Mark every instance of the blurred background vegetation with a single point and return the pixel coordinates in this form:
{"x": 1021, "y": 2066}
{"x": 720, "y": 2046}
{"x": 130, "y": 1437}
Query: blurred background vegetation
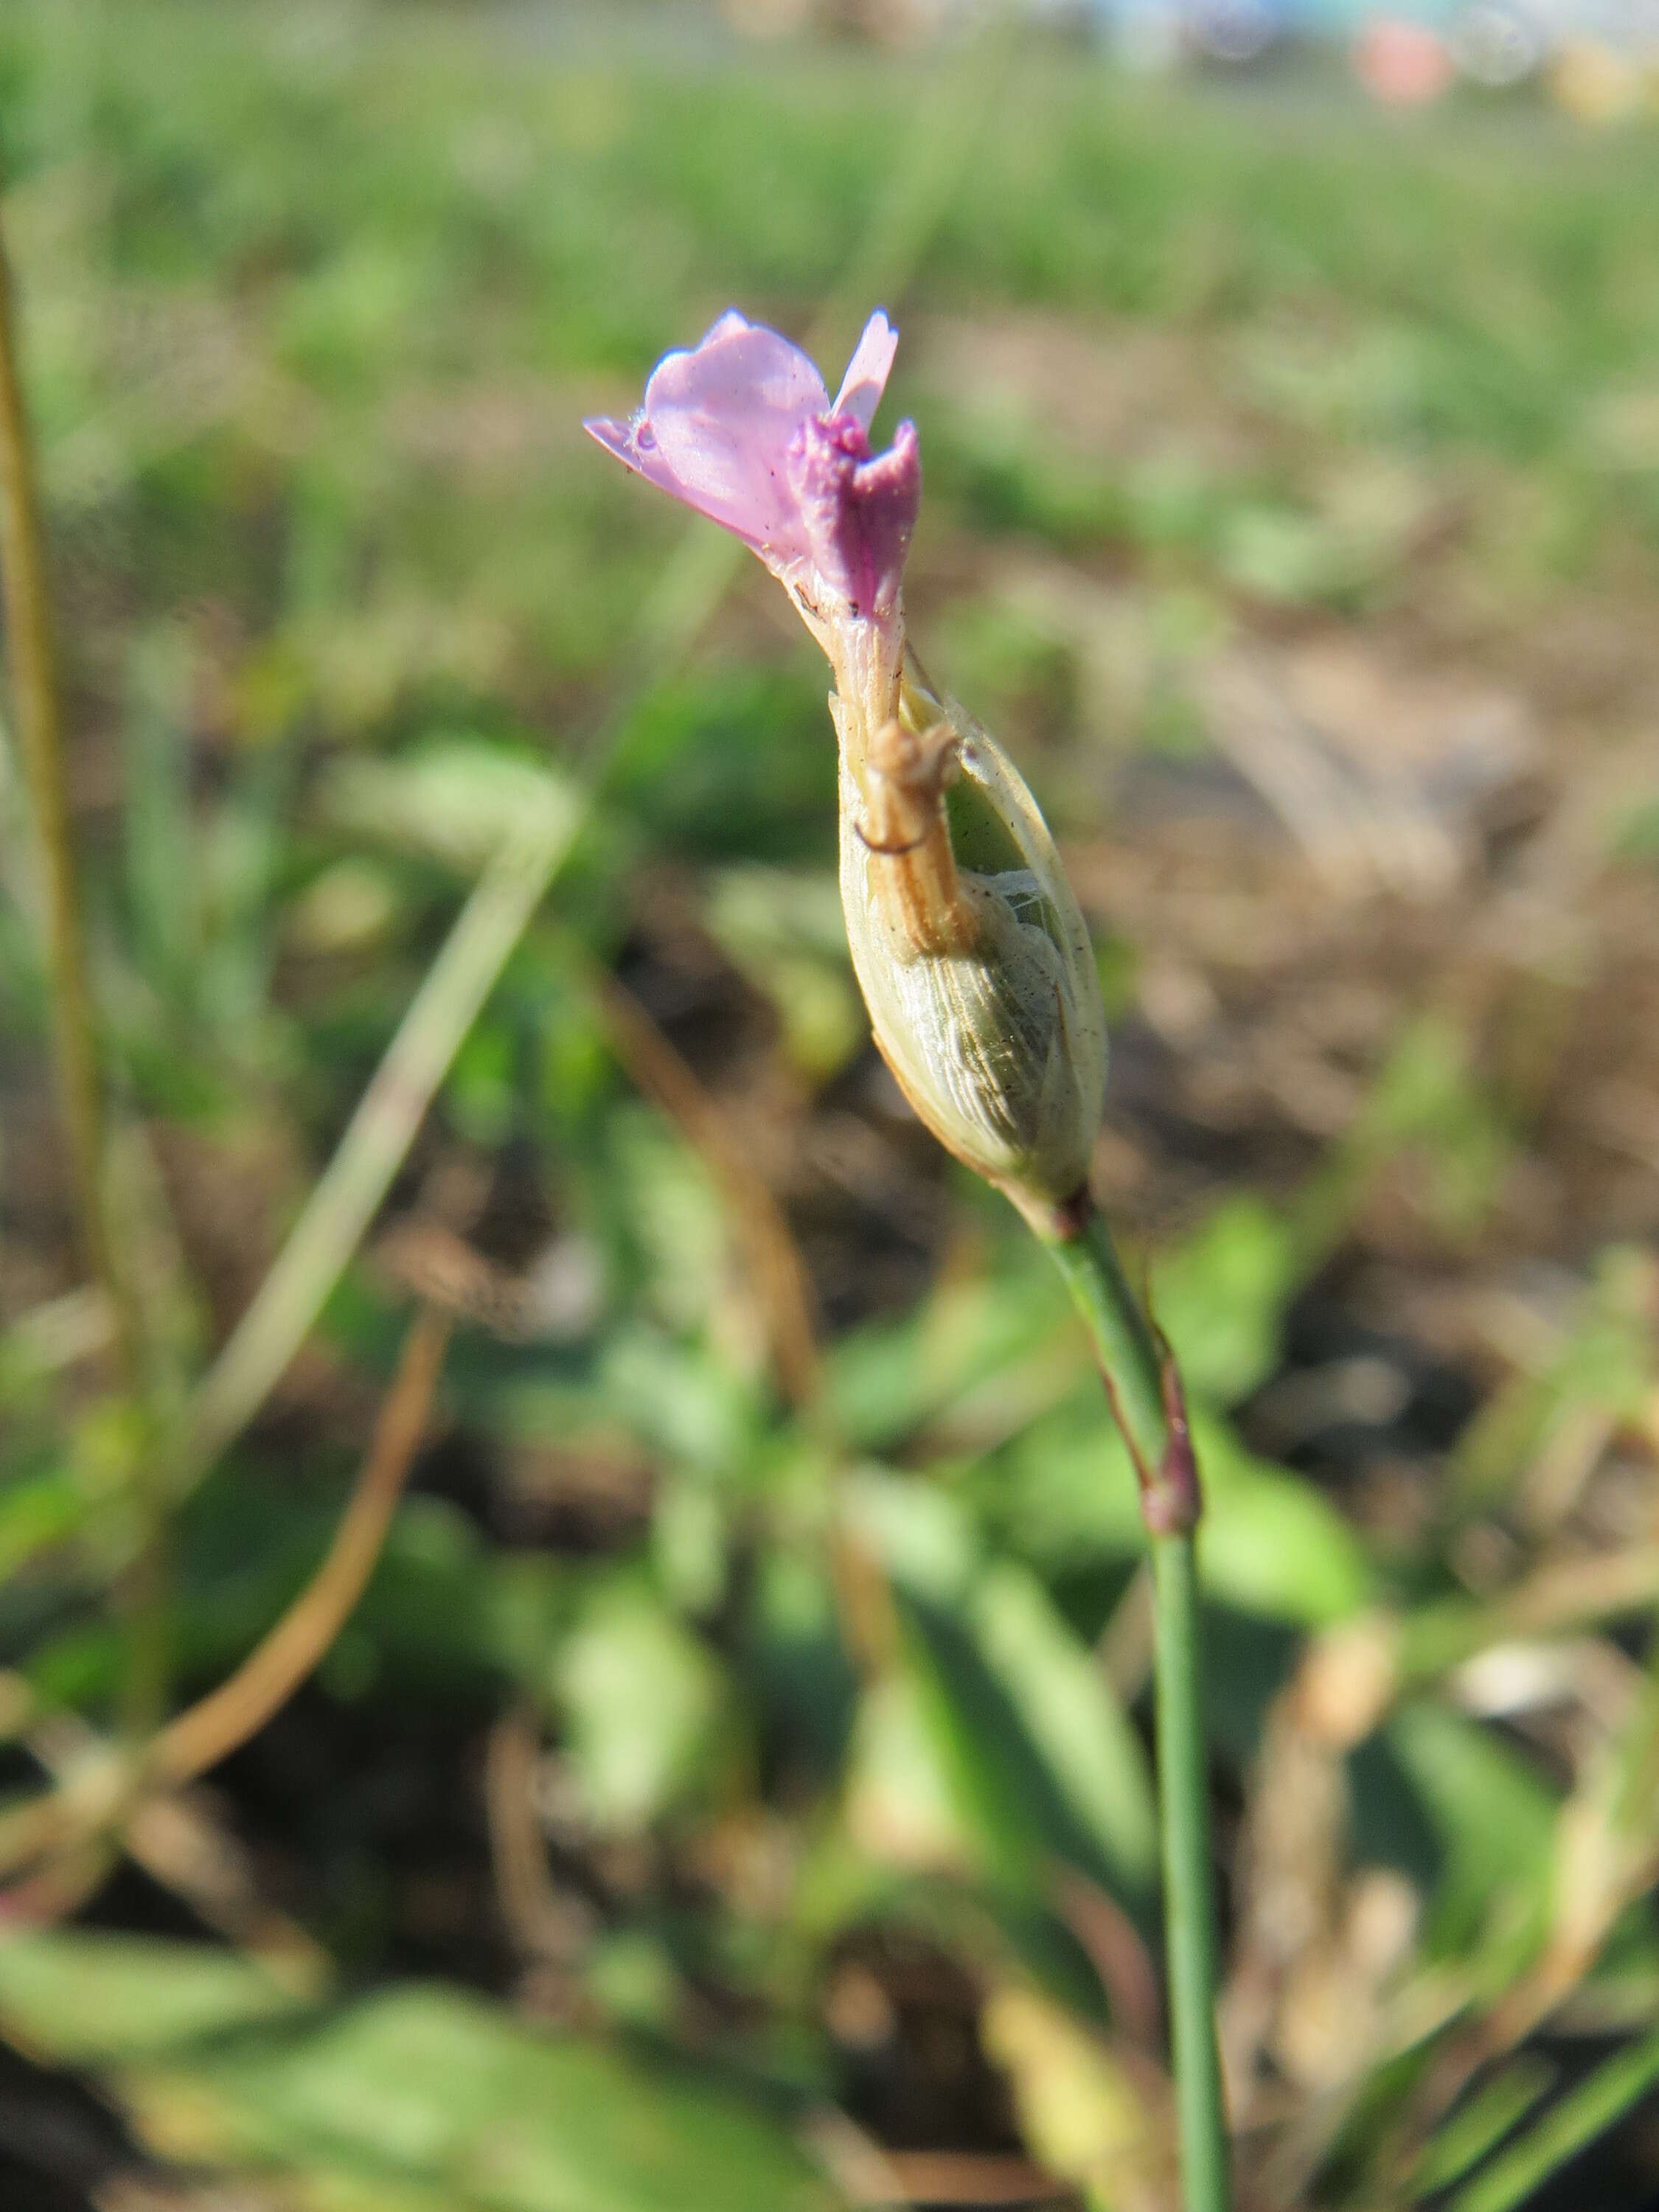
{"x": 733, "y": 1788}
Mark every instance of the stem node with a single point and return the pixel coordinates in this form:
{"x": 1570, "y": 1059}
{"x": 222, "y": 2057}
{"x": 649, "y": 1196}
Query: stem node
{"x": 1171, "y": 1502}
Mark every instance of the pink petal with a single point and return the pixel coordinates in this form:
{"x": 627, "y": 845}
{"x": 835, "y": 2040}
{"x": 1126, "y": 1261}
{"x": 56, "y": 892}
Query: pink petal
{"x": 868, "y": 370}
{"x": 858, "y": 509}
{"x": 740, "y": 428}
{"x": 716, "y": 429}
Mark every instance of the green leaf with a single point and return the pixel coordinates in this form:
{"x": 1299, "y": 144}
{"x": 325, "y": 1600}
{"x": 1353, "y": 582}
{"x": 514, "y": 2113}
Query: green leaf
{"x": 1477, "y": 2127}
{"x": 1060, "y": 1690}
{"x": 1569, "y": 2127}
{"x": 902, "y": 1801}
{"x": 37, "y": 1513}
{"x": 428, "y": 2085}
{"x": 417, "y": 2090}
{"x": 163, "y": 864}
{"x": 80, "y": 1997}
{"x": 1493, "y": 1820}
{"x": 675, "y": 1216}
{"x": 1428, "y": 1103}
{"x": 640, "y": 1696}
{"x": 1279, "y": 554}
{"x": 1042, "y": 1760}
{"x": 923, "y": 1536}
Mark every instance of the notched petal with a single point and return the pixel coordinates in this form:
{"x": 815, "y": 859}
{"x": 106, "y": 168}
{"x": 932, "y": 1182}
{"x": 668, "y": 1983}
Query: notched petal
{"x": 857, "y": 509}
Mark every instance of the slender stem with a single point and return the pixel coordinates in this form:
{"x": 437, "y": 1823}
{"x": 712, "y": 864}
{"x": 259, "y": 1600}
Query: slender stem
{"x": 1131, "y": 1365}
{"x": 1190, "y": 1913}
{"x": 37, "y": 714}
{"x": 1145, "y": 1394}
{"x": 41, "y": 740}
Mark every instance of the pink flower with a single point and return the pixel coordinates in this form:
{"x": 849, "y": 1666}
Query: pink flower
{"x": 982, "y": 988}
{"x": 741, "y": 428}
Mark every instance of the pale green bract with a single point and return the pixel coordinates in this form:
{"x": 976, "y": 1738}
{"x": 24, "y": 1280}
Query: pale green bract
{"x": 1000, "y": 1047}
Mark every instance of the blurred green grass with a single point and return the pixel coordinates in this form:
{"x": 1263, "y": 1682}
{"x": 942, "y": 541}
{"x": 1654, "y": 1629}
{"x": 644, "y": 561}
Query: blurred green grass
{"x": 315, "y": 300}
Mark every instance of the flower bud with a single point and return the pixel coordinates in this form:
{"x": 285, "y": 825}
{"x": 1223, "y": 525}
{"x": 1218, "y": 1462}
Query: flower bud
{"x": 968, "y": 947}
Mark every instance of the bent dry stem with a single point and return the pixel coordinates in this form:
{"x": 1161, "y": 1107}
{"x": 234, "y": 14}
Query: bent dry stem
{"x": 1145, "y": 1393}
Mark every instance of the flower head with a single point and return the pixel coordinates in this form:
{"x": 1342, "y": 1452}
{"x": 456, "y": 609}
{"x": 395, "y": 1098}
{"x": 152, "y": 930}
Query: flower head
{"x": 978, "y": 976}
{"x": 741, "y": 426}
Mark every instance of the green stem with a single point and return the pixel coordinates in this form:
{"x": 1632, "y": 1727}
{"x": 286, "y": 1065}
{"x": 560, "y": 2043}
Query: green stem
{"x": 1145, "y": 1393}
{"x": 1189, "y": 1914}
{"x": 1131, "y": 1365}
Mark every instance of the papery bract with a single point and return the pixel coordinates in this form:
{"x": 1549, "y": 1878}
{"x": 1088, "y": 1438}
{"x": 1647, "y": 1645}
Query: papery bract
{"x": 979, "y": 981}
